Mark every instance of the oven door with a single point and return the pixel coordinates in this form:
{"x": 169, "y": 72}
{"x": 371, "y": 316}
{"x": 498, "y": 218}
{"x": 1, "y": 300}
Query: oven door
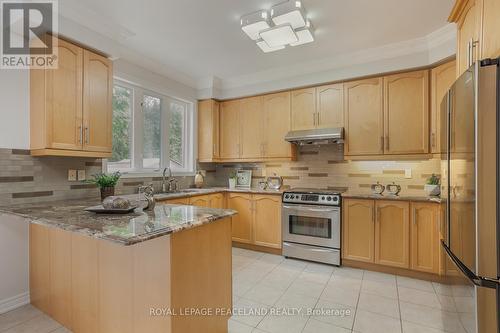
{"x": 312, "y": 225}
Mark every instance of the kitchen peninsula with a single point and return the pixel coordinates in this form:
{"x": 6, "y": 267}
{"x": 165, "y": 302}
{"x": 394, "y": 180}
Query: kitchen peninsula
{"x": 142, "y": 272}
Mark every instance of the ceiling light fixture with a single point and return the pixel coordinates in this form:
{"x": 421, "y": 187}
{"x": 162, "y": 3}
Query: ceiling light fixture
{"x": 285, "y": 24}
{"x": 252, "y": 24}
{"x": 291, "y": 12}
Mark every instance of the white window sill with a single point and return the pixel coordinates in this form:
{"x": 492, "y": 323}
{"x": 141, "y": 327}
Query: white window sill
{"x": 149, "y": 174}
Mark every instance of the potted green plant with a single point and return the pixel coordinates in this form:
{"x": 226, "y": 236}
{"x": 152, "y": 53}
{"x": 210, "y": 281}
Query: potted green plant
{"x": 106, "y": 183}
{"x": 433, "y": 187}
{"x": 232, "y": 179}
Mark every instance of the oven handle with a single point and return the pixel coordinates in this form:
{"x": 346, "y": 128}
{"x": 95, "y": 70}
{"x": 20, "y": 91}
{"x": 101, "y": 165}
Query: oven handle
{"x": 310, "y": 209}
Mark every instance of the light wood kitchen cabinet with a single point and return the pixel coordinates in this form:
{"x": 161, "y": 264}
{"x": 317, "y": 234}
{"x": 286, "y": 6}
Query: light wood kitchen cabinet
{"x": 242, "y": 230}
{"x": 201, "y": 201}
{"x": 230, "y": 129}
{"x": 267, "y": 220}
{"x": 364, "y": 117}
{"x": 208, "y": 130}
{"x": 424, "y": 233}
{"x": 71, "y": 106}
{"x": 330, "y": 106}
{"x": 490, "y": 26}
{"x": 392, "y": 233}
{"x": 406, "y": 113}
{"x": 277, "y": 125}
{"x": 217, "y": 201}
{"x": 251, "y": 128}
{"x": 97, "y": 102}
{"x": 358, "y": 228}
{"x": 442, "y": 77}
{"x": 178, "y": 201}
{"x": 303, "y": 109}
{"x": 466, "y": 14}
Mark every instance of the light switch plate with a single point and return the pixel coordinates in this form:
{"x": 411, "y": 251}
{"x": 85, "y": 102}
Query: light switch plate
{"x": 81, "y": 175}
{"x": 72, "y": 175}
{"x": 407, "y": 173}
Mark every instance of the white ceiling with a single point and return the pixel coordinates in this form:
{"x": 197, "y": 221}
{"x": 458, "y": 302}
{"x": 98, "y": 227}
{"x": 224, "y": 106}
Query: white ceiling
{"x": 193, "y": 40}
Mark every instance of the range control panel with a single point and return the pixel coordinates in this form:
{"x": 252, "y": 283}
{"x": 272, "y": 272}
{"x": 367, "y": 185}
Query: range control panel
{"x": 312, "y": 198}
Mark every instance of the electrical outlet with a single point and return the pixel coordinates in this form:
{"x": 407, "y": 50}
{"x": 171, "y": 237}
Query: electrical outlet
{"x": 81, "y": 175}
{"x": 408, "y": 173}
{"x": 72, "y": 175}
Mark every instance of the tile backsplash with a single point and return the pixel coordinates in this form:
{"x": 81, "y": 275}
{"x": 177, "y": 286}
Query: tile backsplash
{"x": 325, "y": 167}
{"x": 24, "y": 178}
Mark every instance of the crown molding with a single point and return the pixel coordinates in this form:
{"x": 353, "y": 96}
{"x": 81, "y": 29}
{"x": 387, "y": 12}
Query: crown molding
{"x": 415, "y": 53}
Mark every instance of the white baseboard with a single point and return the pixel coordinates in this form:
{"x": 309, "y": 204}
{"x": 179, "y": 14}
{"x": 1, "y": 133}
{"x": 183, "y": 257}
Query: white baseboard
{"x": 15, "y": 302}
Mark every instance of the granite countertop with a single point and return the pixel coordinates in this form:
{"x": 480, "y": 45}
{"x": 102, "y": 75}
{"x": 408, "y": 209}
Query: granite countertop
{"x": 126, "y": 229}
{"x": 211, "y": 190}
{"x": 355, "y": 195}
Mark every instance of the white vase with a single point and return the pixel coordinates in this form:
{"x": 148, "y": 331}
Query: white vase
{"x": 433, "y": 190}
{"x": 232, "y": 183}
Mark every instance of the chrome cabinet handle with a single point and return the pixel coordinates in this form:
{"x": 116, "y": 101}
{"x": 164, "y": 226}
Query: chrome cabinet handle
{"x": 87, "y": 135}
{"x": 80, "y": 130}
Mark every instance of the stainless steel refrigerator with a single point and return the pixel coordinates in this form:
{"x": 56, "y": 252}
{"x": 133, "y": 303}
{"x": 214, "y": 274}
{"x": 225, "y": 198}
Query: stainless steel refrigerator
{"x": 471, "y": 183}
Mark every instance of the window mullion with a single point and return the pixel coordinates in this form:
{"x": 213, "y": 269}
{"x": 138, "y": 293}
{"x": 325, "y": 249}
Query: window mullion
{"x": 165, "y": 150}
{"x": 138, "y": 128}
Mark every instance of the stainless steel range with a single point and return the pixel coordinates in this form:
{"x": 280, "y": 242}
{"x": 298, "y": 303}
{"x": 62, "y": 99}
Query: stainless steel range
{"x": 311, "y": 225}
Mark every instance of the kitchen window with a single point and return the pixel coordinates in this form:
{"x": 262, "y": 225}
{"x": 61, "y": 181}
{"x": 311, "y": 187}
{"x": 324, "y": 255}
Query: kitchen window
{"x": 151, "y": 131}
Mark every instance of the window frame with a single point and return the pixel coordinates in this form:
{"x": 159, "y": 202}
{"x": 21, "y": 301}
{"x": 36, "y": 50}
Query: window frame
{"x": 137, "y": 124}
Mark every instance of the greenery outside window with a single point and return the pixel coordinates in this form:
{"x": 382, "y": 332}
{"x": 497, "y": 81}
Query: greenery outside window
{"x": 151, "y": 131}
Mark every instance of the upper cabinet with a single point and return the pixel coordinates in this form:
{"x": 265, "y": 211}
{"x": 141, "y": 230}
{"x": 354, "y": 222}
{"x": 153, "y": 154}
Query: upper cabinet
{"x": 477, "y": 31}
{"x": 320, "y": 107}
{"x": 442, "y": 77}
{"x": 406, "y": 113}
{"x": 364, "y": 117}
{"x": 71, "y": 106}
{"x": 303, "y": 109}
{"x": 254, "y": 128}
{"x": 330, "y": 106}
{"x": 208, "y": 130}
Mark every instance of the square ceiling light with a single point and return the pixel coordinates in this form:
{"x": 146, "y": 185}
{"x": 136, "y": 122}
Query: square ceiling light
{"x": 291, "y": 12}
{"x": 304, "y": 35}
{"x": 280, "y": 35}
{"x": 252, "y": 24}
{"x": 266, "y": 48}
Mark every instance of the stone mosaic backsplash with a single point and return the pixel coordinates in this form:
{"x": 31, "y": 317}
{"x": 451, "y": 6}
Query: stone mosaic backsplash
{"x": 325, "y": 167}
{"x": 26, "y": 179}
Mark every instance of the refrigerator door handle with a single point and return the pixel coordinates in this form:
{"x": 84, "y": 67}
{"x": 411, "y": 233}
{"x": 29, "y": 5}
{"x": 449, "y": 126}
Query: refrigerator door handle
{"x": 476, "y": 280}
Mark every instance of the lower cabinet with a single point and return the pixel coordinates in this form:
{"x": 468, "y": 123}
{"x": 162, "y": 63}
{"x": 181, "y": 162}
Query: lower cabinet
{"x": 178, "y": 201}
{"x": 392, "y": 233}
{"x": 201, "y": 201}
{"x": 424, "y": 231}
{"x": 258, "y": 221}
{"x": 209, "y": 200}
{"x": 217, "y": 201}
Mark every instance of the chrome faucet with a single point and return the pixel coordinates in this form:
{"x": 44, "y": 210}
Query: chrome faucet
{"x": 168, "y": 184}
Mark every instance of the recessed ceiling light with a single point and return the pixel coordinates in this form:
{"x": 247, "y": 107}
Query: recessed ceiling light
{"x": 252, "y": 24}
{"x": 266, "y": 48}
{"x": 279, "y": 36}
{"x": 304, "y": 35}
{"x": 291, "y": 12}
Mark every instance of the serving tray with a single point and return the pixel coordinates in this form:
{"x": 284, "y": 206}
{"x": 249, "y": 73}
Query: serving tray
{"x": 101, "y": 210}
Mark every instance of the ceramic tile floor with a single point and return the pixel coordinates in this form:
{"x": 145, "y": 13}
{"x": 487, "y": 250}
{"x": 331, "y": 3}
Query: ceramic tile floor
{"x": 344, "y": 300}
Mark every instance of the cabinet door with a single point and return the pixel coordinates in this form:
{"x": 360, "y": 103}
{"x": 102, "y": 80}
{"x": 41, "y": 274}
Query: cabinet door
{"x": 201, "y": 201}
{"x": 217, "y": 201}
{"x": 64, "y": 91}
{"x": 241, "y": 222}
{"x": 277, "y": 125}
{"x": 364, "y": 117}
{"x": 490, "y": 26}
{"x": 208, "y": 130}
{"x": 251, "y": 127}
{"x": 425, "y": 237}
{"x": 179, "y": 201}
{"x": 358, "y": 228}
{"x": 267, "y": 220}
{"x": 230, "y": 130}
{"x": 467, "y": 29}
{"x": 330, "y": 106}
{"x": 442, "y": 78}
{"x": 97, "y": 102}
{"x": 392, "y": 234}
{"x": 406, "y": 113}
{"x": 303, "y": 109}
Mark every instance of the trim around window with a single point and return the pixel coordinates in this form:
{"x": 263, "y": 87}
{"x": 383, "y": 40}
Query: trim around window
{"x": 153, "y": 142}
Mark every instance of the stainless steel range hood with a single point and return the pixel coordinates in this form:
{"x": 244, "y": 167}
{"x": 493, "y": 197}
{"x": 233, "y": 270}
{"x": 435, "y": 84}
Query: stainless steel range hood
{"x": 316, "y": 136}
